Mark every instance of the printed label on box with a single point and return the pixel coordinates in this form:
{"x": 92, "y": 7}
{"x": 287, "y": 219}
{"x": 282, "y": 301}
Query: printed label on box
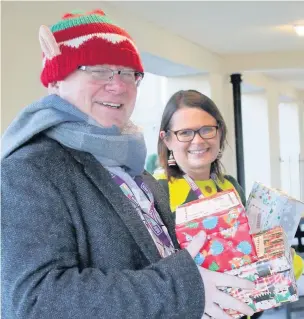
{"x": 206, "y": 206}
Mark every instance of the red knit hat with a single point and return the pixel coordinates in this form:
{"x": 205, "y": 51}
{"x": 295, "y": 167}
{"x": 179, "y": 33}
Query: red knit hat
{"x": 87, "y": 39}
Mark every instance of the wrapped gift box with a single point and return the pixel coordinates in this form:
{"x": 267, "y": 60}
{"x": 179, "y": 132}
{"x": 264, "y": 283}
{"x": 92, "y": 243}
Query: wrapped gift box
{"x": 268, "y": 208}
{"x": 272, "y": 274}
{"x": 273, "y": 255}
{"x": 271, "y": 292}
{"x": 229, "y": 244}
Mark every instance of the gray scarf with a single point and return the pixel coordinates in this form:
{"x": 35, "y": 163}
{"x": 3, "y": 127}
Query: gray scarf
{"x": 64, "y": 123}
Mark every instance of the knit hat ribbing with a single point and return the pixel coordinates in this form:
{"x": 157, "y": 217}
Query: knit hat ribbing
{"x": 88, "y": 39}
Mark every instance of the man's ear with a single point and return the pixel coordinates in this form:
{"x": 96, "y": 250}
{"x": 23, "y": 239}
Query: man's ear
{"x": 53, "y": 88}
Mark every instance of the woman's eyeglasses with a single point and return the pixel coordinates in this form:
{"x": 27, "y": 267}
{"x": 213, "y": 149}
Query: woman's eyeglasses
{"x": 205, "y": 132}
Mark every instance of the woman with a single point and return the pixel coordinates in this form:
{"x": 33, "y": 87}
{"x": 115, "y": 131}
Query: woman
{"x": 191, "y": 142}
{"x": 85, "y": 232}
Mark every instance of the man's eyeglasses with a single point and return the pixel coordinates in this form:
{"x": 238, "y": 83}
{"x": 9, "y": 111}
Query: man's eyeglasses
{"x": 205, "y": 132}
{"x": 106, "y": 75}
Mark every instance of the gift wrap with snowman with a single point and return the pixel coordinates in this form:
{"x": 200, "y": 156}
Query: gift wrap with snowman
{"x": 272, "y": 274}
{"x": 262, "y": 254}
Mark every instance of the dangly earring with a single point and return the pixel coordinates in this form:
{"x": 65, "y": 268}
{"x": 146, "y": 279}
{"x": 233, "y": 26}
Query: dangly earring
{"x": 220, "y": 154}
{"x": 171, "y": 159}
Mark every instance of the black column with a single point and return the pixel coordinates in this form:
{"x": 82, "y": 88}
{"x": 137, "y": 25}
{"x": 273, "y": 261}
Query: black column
{"x": 238, "y": 125}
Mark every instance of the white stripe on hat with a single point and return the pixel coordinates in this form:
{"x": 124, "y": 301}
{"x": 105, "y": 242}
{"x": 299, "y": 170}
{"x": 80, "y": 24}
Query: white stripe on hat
{"x": 110, "y": 37}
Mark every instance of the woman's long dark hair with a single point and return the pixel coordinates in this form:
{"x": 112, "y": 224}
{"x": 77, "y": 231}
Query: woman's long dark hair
{"x": 195, "y": 99}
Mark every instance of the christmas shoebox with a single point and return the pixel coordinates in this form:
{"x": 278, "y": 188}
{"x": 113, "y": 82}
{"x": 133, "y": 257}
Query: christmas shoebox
{"x": 222, "y": 216}
{"x": 267, "y": 207}
{"x": 272, "y": 274}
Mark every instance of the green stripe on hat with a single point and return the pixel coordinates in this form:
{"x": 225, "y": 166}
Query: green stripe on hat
{"x": 69, "y": 23}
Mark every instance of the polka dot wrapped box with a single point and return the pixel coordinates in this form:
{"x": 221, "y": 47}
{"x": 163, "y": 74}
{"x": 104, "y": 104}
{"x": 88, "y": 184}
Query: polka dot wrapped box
{"x": 229, "y": 244}
{"x": 267, "y": 208}
{"x": 272, "y": 274}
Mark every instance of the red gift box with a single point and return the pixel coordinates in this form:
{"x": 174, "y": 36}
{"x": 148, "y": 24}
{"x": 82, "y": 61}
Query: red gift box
{"x": 229, "y": 244}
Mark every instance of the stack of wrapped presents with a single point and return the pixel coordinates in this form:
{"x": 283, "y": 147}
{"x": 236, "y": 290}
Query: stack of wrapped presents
{"x": 252, "y": 242}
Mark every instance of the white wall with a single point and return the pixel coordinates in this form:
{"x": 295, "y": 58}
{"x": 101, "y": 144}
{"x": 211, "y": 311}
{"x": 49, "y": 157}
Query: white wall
{"x": 255, "y": 138}
{"x": 290, "y": 148}
{"x": 276, "y": 92}
{"x": 301, "y": 125}
{"x": 149, "y": 108}
{"x": 193, "y": 82}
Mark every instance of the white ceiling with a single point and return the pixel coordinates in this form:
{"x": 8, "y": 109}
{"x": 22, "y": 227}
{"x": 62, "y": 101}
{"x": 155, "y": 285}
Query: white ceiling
{"x": 226, "y": 27}
{"x": 164, "y": 67}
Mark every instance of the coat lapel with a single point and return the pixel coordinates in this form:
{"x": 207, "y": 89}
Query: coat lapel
{"x": 121, "y": 205}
